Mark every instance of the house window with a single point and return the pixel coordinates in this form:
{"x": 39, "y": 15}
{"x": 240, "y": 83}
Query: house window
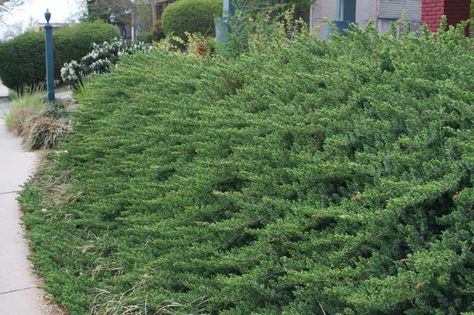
{"x": 347, "y": 10}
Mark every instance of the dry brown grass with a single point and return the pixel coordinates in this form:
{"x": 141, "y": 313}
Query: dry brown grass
{"x": 46, "y": 132}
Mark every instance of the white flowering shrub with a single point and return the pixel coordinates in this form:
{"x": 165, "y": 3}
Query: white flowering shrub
{"x": 100, "y": 59}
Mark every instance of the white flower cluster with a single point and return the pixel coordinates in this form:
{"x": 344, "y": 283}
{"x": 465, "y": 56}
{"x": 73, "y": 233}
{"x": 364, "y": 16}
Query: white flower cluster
{"x": 71, "y": 72}
{"x": 100, "y": 59}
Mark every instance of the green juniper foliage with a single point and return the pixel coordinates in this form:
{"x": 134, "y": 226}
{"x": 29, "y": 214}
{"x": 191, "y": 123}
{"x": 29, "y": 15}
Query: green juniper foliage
{"x": 256, "y": 17}
{"x": 302, "y": 177}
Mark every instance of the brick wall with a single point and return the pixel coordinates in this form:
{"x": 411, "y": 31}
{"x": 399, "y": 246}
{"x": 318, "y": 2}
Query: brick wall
{"x": 458, "y": 10}
{"x": 433, "y": 10}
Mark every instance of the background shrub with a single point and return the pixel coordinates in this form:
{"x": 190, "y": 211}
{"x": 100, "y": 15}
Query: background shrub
{"x": 193, "y": 16}
{"x": 22, "y": 59}
{"x": 145, "y": 37}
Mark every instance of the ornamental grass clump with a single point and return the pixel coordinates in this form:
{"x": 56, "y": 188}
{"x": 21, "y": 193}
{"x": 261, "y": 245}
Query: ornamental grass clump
{"x": 24, "y": 106}
{"x": 42, "y": 125}
{"x": 50, "y": 127}
{"x": 301, "y": 177}
{"x": 46, "y": 133}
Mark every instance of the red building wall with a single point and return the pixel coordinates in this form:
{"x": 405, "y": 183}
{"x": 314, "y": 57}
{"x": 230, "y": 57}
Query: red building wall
{"x": 458, "y": 10}
{"x": 455, "y": 10}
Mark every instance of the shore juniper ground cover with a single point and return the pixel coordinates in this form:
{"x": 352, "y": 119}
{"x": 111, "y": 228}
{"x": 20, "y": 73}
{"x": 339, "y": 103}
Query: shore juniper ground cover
{"x": 301, "y": 177}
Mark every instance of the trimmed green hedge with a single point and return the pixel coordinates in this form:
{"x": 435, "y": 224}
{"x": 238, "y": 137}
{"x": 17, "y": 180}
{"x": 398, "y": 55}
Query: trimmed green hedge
{"x": 193, "y": 16}
{"x": 22, "y": 59}
{"x": 145, "y": 37}
{"x": 304, "y": 177}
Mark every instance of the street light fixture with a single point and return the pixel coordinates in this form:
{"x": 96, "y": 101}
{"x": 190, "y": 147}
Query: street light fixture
{"x": 48, "y": 28}
{"x": 112, "y": 18}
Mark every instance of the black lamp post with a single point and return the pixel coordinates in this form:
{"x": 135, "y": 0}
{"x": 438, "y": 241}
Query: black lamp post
{"x": 49, "y": 56}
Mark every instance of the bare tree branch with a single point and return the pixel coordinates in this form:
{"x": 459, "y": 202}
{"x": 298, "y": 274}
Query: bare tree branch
{"x": 8, "y": 5}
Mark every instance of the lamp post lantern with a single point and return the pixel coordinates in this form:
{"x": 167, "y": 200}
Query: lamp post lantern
{"x": 49, "y": 56}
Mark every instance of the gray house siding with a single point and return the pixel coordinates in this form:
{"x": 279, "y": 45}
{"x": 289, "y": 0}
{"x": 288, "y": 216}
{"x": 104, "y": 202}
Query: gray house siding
{"x": 393, "y": 9}
{"x": 382, "y": 12}
{"x": 321, "y": 12}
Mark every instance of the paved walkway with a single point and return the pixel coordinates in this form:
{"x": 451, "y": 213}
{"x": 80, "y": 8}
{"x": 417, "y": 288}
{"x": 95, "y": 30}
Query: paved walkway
{"x": 19, "y": 294}
{"x": 3, "y": 91}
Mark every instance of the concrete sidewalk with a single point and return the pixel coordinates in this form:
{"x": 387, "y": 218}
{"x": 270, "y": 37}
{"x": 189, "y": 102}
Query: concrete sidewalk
{"x": 19, "y": 294}
{"x": 3, "y": 91}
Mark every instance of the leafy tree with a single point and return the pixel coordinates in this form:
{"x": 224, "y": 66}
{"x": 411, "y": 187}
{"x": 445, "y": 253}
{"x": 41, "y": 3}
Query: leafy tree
{"x": 122, "y": 10}
{"x": 103, "y": 9}
{"x": 9, "y": 30}
{"x": 7, "y": 6}
{"x": 302, "y": 8}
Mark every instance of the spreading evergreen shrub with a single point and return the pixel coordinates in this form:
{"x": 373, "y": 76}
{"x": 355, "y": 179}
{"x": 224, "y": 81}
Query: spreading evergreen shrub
{"x": 192, "y": 16}
{"x": 22, "y": 59}
{"x": 303, "y": 177}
